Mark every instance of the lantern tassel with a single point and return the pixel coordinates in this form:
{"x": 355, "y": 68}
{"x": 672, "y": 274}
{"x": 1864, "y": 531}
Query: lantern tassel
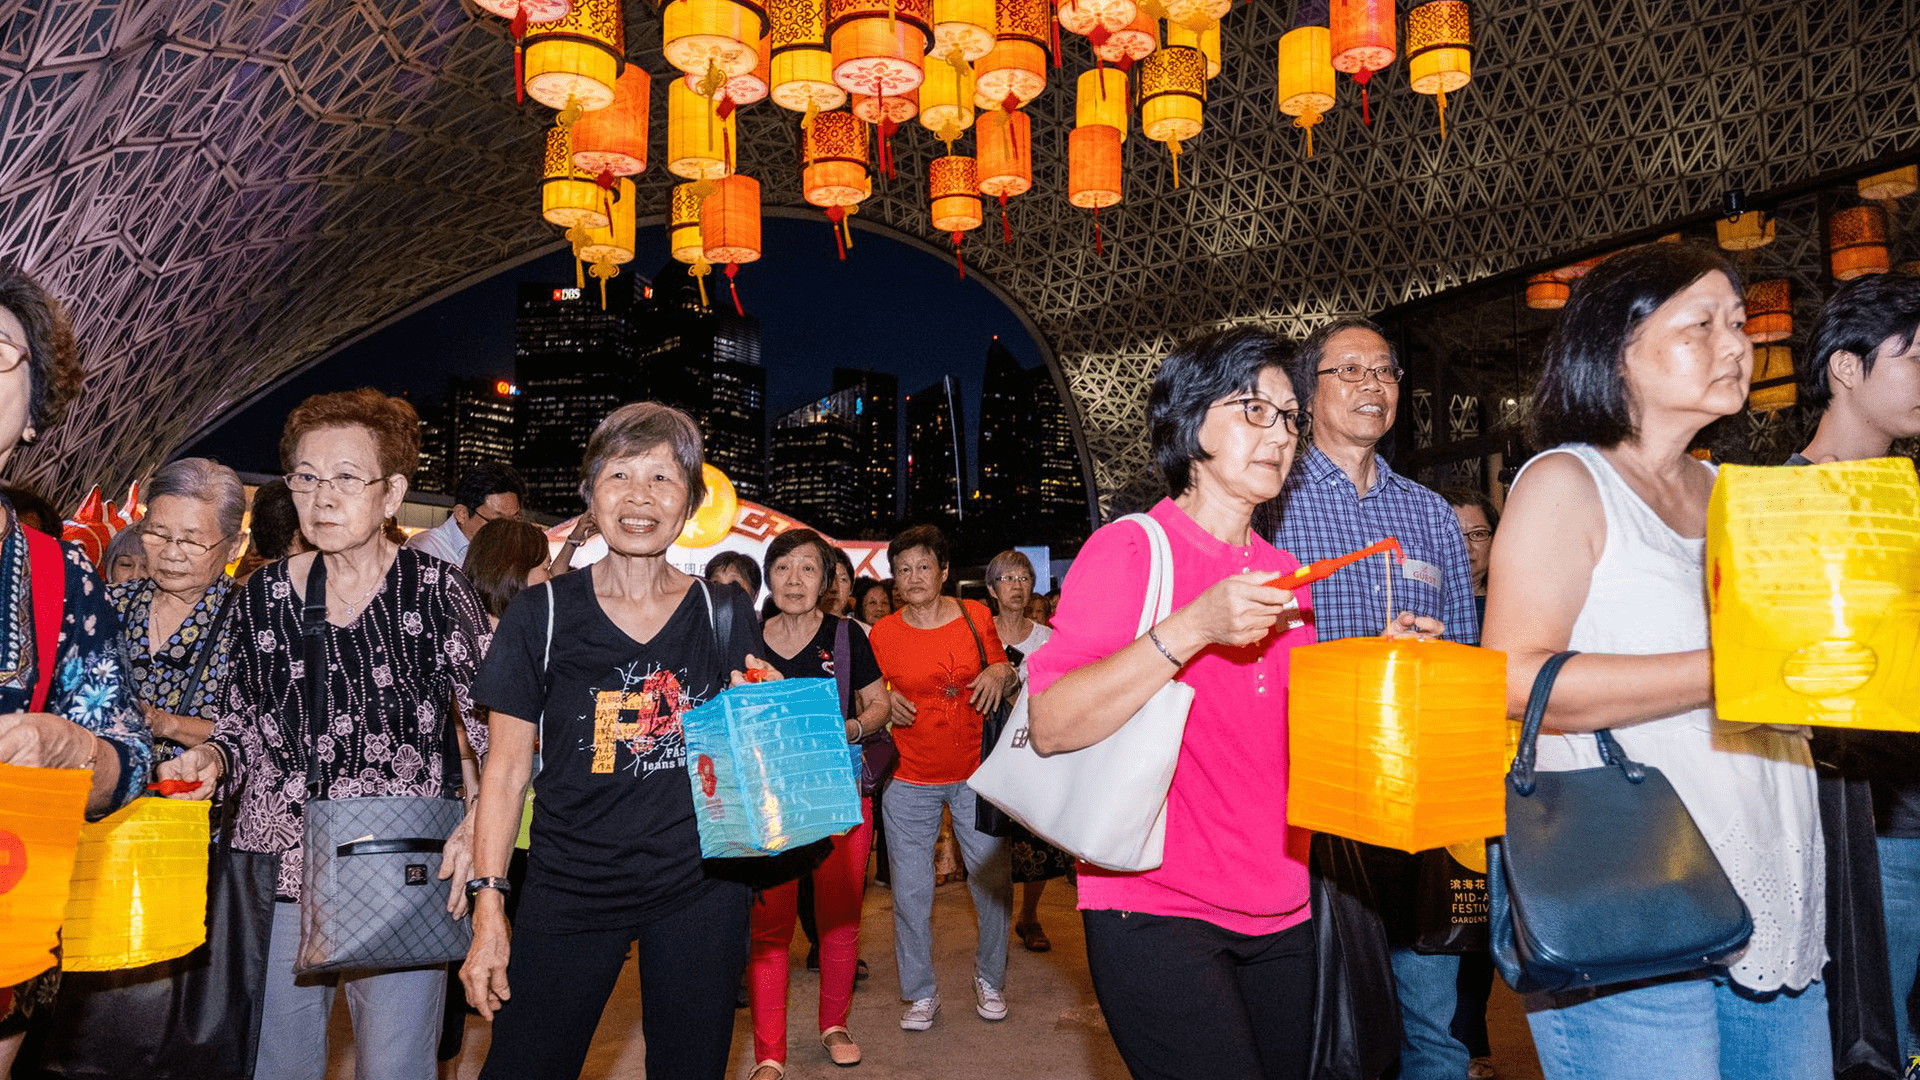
{"x": 576, "y": 236}
{"x": 846, "y": 226}
{"x": 1098, "y": 248}
{"x": 1055, "y": 27}
{"x": 1443, "y": 116}
{"x": 1173, "y": 148}
{"x": 735, "y": 290}
{"x": 700, "y": 270}
{"x": 887, "y": 129}
{"x": 835, "y": 215}
{"x": 519, "y": 31}
{"x": 1006, "y": 227}
{"x": 957, "y": 260}
{"x": 1363, "y": 76}
{"x": 1305, "y": 122}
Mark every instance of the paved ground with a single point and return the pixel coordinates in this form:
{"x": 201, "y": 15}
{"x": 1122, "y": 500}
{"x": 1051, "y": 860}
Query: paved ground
{"x": 1053, "y": 1031}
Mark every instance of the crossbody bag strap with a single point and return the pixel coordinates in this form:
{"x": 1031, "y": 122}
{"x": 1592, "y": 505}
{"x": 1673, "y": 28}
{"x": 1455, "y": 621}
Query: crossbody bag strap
{"x": 546, "y": 688}
{"x": 843, "y": 666}
{"x": 209, "y": 644}
{"x": 978, "y": 645}
{"x": 313, "y": 638}
{"x": 720, "y": 617}
{"x": 47, "y": 567}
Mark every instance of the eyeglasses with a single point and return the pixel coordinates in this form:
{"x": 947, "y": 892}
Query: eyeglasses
{"x": 1359, "y": 373}
{"x": 1018, "y": 579}
{"x": 11, "y": 354}
{"x": 1263, "y": 413}
{"x": 191, "y": 548}
{"x": 482, "y": 514}
{"x": 1478, "y": 536}
{"x": 305, "y": 482}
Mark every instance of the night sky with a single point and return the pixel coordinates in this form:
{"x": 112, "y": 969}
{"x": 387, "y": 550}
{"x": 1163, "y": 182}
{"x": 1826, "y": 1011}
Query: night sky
{"x": 889, "y": 307}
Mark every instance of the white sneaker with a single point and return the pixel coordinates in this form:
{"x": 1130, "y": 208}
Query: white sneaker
{"x": 919, "y": 1015}
{"x": 992, "y": 1004}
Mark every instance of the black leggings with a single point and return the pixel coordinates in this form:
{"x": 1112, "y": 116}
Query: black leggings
{"x": 690, "y": 966}
{"x": 1186, "y": 999}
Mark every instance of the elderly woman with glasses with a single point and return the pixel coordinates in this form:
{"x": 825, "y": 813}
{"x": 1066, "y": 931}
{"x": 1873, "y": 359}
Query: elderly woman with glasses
{"x": 402, "y": 638}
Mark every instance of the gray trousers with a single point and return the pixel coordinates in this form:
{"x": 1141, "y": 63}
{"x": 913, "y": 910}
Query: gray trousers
{"x": 396, "y": 1015}
{"x": 912, "y": 813}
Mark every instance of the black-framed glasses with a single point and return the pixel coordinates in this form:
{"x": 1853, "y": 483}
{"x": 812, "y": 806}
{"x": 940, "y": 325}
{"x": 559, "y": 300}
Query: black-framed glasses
{"x": 1478, "y": 536}
{"x": 11, "y": 354}
{"x": 484, "y": 515}
{"x": 1263, "y": 413}
{"x": 191, "y": 548}
{"x": 346, "y": 484}
{"x": 1358, "y": 372}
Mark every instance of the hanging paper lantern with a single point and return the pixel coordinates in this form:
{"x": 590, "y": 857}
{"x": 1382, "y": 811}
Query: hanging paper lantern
{"x": 1363, "y": 42}
{"x": 683, "y": 225}
{"x": 139, "y": 891}
{"x": 835, "y": 149}
{"x": 730, "y": 227}
{"x": 1015, "y": 71}
{"x": 801, "y": 65}
{"x": 966, "y": 25}
{"x": 521, "y": 14}
{"x": 946, "y": 98}
{"x": 1173, "y": 92}
{"x": 1893, "y": 184}
{"x": 1100, "y": 99}
{"x": 888, "y": 110}
{"x": 1769, "y": 311}
{"x": 954, "y": 182}
{"x": 1439, "y": 50}
{"x": 1197, "y": 14}
{"x": 879, "y": 46}
{"x": 1093, "y": 172}
{"x": 613, "y": 141}
{"x": 1399, "y": 743}
{"x": 700, "y": 34}
{"x": 1775, "y": 386}
{"x": 1207, "y": 41}
{"x": 1857, "y": 241}
{"x": 1547, "y": 293}
{"x": 1814, "y": 594}
{"x": 567, "y": 196}
{"x": 1003, "y": 142}
{"x": 1129, "y": 45}
{"x": 41, "y": 811}
{"x": 1573, "y": 272}
{"x": 699, "y": 141}
{"x": 1745, "y": 232}
{"x": 1081, "y": 16}
{"x": 576, "y": 60}
{"x": 1306, "y": 77}
{"x": 732, "y": 93}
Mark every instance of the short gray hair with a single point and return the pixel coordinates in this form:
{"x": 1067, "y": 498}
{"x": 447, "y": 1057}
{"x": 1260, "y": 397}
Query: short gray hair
{"x": 639, "y": 427}
{"x": 1006, "y": 563}
{"x": 208, "y": 481}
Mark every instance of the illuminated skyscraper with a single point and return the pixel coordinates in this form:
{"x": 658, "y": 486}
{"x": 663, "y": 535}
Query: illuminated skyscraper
{"x": 706, "y": 360}
{"x": 936, "y": 454}
{"x": 814, "y": 466}
{"x": 573, "y": 364}
{"x": 876, "y": 449}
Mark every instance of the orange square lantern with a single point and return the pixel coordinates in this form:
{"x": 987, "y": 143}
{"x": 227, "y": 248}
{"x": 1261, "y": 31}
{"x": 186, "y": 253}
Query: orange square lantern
{"x": 41, "y": 811}
{"x": 730, "y": 227}
{"x": 612, "y": 141}
{"x": 1399, "y": 743}
{"x": 1363, "y": 42}
{"x": 954, "y": 182}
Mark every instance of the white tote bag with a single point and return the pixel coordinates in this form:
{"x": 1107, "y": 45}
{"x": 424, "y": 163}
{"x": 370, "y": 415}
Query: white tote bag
{"x": 1105, "y": 803}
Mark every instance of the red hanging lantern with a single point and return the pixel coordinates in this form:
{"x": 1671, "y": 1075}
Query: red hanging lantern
{"x": 1363, "y": 42}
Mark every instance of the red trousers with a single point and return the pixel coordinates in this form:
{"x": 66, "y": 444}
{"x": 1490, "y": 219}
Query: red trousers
{"x": 837, "y": 890}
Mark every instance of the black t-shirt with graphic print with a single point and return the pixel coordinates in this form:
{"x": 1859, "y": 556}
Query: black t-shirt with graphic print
{"x": 614, "y": 841}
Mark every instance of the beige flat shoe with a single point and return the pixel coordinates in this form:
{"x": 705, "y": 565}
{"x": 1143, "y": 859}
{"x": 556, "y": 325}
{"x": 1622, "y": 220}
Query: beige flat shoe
{"x": 767, "y": 1070}
{"x": 844, "y": 1051}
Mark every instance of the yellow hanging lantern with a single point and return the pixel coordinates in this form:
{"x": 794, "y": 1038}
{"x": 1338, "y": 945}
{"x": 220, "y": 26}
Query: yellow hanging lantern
{"x": 1745, "y": 232}
{"x": 1775, "y": 386}
{"x": 1015, "y": 71}
{"x": 576, "y": 60}
{"x": 1129, "y": 45}
{"x": 700, "y": 34}
{"x": 1857, "y": 240}
{"x": 1003, "y": 142}
{"x": 954, "y": 182}
{"x": 1306, "y": 77}
{"x": 1081, "y": 16}
{"x": 683, "y": 225}
{"x": 1439, "y": 50}
{"x": 1173, "y": 93}
{"x": 1197, "y": 14}
{"x": 801, "y": 64}
{"x": 1207, "y": 41}
{"x": 605, "y": 250}
{"x": 613, "y": 141}
{"x": 699, "y": 141}
{"x": 1362, "y": 40}
{"x": 567, "y": 197}
{"x": 730, "y": 227}
{"x": 946, "y": 98}
{"x": 1769, "y": 310}
{"x": 41, "y": 811}
{"x": 1892, "y": 184}
{"x": 1399, "y": 743}
{"x": 879, "y": 46}
{"x": 139, "y": 887}
{"x": 835, "y": 149}
{"x": 1547, "y": 293}
{"x": 966, "y": 25}
{"x": 1814, "y": 594}
{"x": 732, "y": 93}
{"x": 1094, "y": 172}
{"x": 521, "y": 14}
{"x": 1100, "y": 99}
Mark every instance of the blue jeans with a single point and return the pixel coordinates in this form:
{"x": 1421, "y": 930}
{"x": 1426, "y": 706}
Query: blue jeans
{"x": 1900, "y": 887}
{"x": 1682, "y": 1029}
{"x": 1429, "y": 991}
{"x": 912, "y": 812}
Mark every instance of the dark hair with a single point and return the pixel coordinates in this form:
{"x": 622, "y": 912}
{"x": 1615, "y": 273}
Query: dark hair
{"x": 498, "y": 560}
{"x": 28, "y": 503}
{"x": 787, "y": 542}
{"x": 864, "y": 585}
{"x": 53, "y": 357}
{"x": 1461, "y": 496}
{"x": 275, "y": 522}
{"x": 1303, "y": 367}
{"x": 913, "y": 536}
{"x": 485, "y": 479}
{"x": 639, "y": 427}
{"x": 1860, "y": 316}
{"x": 1582, "y": 395}
{"x": 734, "y": 560}
{"x": 124, "y": 542}
{"x": 1193, "y": 377}
{"x": 391, "y": 421}
{"x": 842, "y": 559}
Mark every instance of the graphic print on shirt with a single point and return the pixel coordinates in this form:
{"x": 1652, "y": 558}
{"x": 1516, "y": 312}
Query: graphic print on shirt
{"x": 645, "y": 715}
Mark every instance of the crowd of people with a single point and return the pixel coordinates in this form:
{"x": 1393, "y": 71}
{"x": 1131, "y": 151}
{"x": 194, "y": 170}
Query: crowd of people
{"x": 474, "y": 662}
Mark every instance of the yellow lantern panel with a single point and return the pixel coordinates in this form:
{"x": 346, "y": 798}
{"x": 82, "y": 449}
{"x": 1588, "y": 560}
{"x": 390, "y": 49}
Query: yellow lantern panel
{"x": 897, "y": 109}
{"x": 1207, "y": 41}
{"x": 1131, "y": 44}
{"x": 139, "y": 887}
{"x": 1397, "y": 743}
{"x": 698, "y": 34}
{"x": 699, "y": 142}
{"x": 741, "y": 89}
{"x": 614, "y": 243}
{"x": 1770, "y": 363}
{"x": 1093, "y": 167}
{"x": 1100, "y": 99}
{"x": 41, "y": 811}
{"x": 614, "y": 139}
{"x": 796, "y": 24}
{"x": 946, "y": 98}
{"x": 1814, "y": 594}
{"x": 730, "y": 221}
{"x": 683, "y": 223}
{"x": 966, "y": 25}
{"x": 1306, "y": 71}
{"x": 568, "y": 198}
{"x": 1439, "y": 47}
{"x": 576, "y": 59}
{"x": 954, "y": 182}
{"x": 1023, "y": 20}
{"x": 1015, "y": 66}
{"x": 1745, "y": 232}
{"x": 1081, "y": 16}
{"x": 1857, "y": 238}
{"x": 1003, "y": 145}
{"x": 1173, "y": 92}
{"x": 879, "y": 46}
{"x": 1197, "y": 14}
{"x": 1893, "y": 184}
{"x": 536, "y": 10}
{"x": 803, "y": 78}
{"x": 1547, "y": 293}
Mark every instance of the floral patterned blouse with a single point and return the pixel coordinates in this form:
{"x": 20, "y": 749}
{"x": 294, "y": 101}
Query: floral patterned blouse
{"x": 163, "y": 677}
{"x": 394, "y": 675}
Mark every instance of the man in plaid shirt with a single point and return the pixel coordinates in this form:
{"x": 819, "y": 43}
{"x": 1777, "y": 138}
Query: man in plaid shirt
{"x": 1342, "y": 496}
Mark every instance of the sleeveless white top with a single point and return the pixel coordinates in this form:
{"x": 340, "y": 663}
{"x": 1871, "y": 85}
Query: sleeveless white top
{"x": 1750, "y": 787}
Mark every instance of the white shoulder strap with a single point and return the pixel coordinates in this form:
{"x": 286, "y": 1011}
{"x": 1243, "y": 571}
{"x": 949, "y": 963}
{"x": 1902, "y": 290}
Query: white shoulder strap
{"x": 546, "y": 665}
{"x": 1158, "y": 602}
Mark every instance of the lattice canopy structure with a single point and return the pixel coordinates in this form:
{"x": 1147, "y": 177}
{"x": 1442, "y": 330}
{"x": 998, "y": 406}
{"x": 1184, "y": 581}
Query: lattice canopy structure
{"x": 227, "y": 190}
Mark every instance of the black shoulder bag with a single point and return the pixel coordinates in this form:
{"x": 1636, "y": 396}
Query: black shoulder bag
{"x": 987, "y": 817}
{"x": 1602, "y": 877}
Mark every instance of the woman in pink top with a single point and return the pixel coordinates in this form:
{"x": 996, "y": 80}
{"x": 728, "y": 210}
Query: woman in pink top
{"x": 1204, "y": 966}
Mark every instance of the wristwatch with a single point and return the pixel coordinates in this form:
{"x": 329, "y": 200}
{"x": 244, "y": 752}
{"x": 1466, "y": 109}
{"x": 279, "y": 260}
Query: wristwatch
{"x": 502, "y": 884}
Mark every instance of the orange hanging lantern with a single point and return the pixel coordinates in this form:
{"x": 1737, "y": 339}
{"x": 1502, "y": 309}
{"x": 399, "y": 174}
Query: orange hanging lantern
{"x": 966, "y": 25}
{"x": 1547, "y": 293}
{"x": 683, "y": 225}
{"x": 800, "y": 64}
{"x": 613, "y": 141}
{"x": 946, "y": 98}
{"x": 1093, "y": 172}
{"x": 1745, "y": 232}
{"x": 954, "y": 182}
{"x": 1775, "y": 386}
{"x": 1173, "y": 94}
{"x": 732, "y": 93}
{"x": 835, "y": 147}
{"x": 1129, "y": 45}
{"x": 1893, "y": 184}
{"x": 519, "y": 15}
{"x": 1207, "y": 41}
{"x": 879, "y": 46}
{"x": 1363, "y": 42}
{"x": 730, "y": 227}
{"x": 575, "y": 61}
{"x": 1857, "y": 241}
{"x": 1439, "y": 50}
{"x": 1015, "y": 71}
{"x": 1004, "y": 143}
{"x": 1306, "y": 77}
{"x": 1769, "y": 311}
{"x": 1399, "y": 743}
{"x": 41, "y": 811}
{"x": 567, "y": 196}
{"x": 699, "y": 140}
{"x": 884, "y": 111}
{"x": 1100, "y": 99}
{"x": 697, "y": 35}
{"x": 1081, "y": 16}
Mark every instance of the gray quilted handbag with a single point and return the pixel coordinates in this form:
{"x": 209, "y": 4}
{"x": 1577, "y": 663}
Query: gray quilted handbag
{"x": 371, "y": 896}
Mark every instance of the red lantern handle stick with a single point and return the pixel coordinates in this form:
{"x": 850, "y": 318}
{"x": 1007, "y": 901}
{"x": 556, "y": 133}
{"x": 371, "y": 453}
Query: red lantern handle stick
{"x": 173, "y": 787}
{"x": 1314, "y": 571}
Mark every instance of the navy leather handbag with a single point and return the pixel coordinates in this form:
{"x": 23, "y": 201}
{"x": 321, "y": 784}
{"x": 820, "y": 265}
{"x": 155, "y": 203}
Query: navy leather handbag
{"x": 1602, "y": 877}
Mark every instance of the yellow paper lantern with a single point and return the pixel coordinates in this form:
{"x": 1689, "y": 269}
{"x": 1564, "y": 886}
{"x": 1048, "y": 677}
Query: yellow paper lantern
{"x": 1770, "y": 310}
{"x": 1207, "y": 41}
{"x": 1014, "y": 72}
{"x": 613, "y": 141}
{"x": 1547, "y": 293}
{"x": 1100, "y": 99}
{"x": 966, "y": 25}
{"x": 699, "y": 140}
{"x": 1306, "y": 77}
{"x": 1814, "y": 594}
{"x": 139, "y": 887}
{"x": 714, "y": 520}
{"x": 1197, "y": 14}
{"x": 697, "y": 35}
{"x": 1173, "y": 94}
{"x": 576, "y": 60}
{"x": 683, "y": 225}
{"x": 946, "y": 98}
{"x": 1081, "y": 16}
{"x": 954, "y": 183}
{"x": 1745, "y": 232}
{"x": 1439, "y": 50}
{"x": 879, "y": 46}
{"x": 835, "y": 149}
{"x": 567, "y": 197}
{"x": 739, "y": 90}
{"x": 1857, "y": 241}
{"x": 1129, "y": 45}
{"x": 1892, "y": 184}
{"x": 41, "y": 811}
{"x": 605, "y": 250}
{"x": 1362, "y": 39}
{"x": 521, "y": 14}
{"x": 1774, "y": 384}
{"x": 1398, "y": 743}
{"x": 800, "y": 64}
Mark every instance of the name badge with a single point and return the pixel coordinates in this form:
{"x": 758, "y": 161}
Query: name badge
{"x": 1423, "y": 572}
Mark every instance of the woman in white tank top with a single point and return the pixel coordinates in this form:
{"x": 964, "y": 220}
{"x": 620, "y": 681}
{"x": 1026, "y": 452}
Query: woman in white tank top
{"x": 1601, "y": 550}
